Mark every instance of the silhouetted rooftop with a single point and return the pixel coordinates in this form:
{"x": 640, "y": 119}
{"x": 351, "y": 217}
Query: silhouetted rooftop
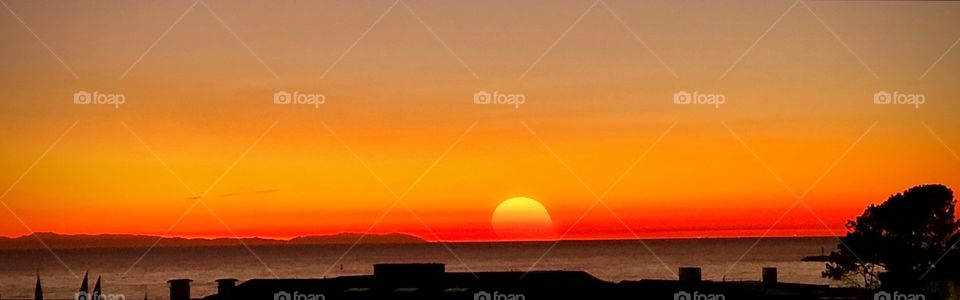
{"x": 431, "y": 281}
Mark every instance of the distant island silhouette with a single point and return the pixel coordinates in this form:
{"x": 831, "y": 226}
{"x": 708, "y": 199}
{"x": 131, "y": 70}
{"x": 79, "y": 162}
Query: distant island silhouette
{"x": 68, "y": 241}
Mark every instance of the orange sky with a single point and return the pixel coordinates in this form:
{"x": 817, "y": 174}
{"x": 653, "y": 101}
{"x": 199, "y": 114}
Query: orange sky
{"x": 799, "y": 118}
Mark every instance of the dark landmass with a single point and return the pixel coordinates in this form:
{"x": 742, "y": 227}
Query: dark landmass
{"x": 816, "y": 258}
{"x": 62, "y": 241}
{"x": 94, "y": 241}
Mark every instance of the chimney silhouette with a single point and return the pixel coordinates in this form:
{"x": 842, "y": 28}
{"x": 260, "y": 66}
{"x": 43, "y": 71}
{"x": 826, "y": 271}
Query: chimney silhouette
{"x": 179, "y": 289}
{"x": 225, "y": 287}
{"x": 769, "y": 276}
{"x": 690, "y": 274}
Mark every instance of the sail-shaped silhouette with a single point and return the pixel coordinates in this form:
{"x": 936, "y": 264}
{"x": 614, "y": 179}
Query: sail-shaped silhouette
{"x": 38, "y": 291}
{"x": 84, "y": 289}
{"x": 96, "y": 289}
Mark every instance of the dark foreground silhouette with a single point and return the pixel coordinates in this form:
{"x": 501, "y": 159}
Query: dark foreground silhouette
{"x": 431, "y": 281}
{"x": 907, "y": 242}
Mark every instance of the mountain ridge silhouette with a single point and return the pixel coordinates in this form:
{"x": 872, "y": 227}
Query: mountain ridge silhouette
{"x": 70, "y": 241}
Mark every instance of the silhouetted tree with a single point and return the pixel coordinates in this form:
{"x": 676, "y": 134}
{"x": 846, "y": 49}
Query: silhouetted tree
{"x": 948, "y": 267}
{"x": 897, "y": 242}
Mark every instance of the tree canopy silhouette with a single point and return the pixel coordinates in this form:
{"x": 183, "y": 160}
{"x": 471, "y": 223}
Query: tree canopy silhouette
{"x": 897, "y": 242}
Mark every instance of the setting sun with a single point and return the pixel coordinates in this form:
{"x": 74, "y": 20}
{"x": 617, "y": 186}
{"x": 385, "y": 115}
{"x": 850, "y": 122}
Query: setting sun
{"x": 522, "y": 218}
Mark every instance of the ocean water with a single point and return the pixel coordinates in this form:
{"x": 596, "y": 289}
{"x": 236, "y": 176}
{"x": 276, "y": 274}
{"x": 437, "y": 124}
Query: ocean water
{"x": 608, "y": 260}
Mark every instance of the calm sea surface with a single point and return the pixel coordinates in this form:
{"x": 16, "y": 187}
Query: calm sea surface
{"x": 608, "y": 260}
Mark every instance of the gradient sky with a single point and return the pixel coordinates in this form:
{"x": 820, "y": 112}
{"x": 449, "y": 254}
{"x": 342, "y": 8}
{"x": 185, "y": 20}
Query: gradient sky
{"x": 799, "y": 115}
